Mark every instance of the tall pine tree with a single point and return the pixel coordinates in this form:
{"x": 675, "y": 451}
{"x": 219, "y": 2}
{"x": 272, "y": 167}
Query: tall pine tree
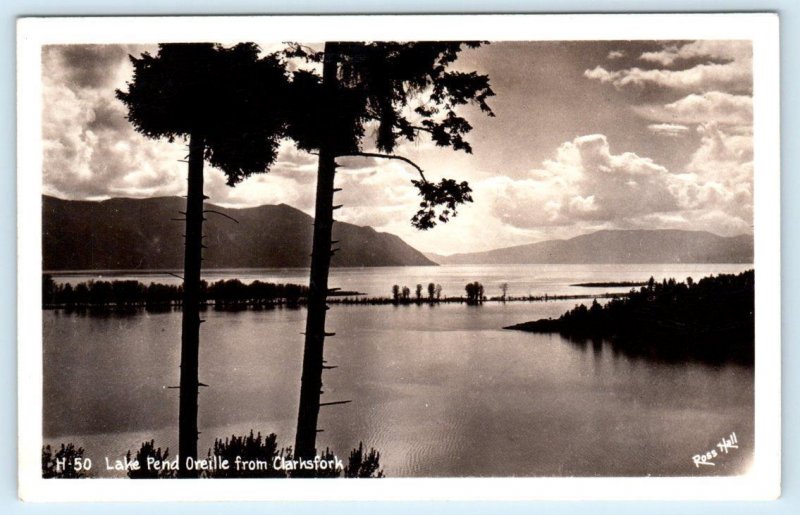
{"x": 228, "y": 104}
{"x": 373, "y": 85}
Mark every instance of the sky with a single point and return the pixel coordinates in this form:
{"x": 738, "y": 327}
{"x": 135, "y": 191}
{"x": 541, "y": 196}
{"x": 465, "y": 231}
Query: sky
{"x": 587, "y": 136}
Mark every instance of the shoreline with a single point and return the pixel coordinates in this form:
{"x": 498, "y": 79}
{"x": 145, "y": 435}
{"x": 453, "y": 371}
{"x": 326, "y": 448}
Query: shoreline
{"x": 344, "y": 301}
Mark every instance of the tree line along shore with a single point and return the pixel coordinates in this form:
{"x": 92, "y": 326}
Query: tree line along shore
{"x": 235, "y": 294}
{"x": 711, "y": 320}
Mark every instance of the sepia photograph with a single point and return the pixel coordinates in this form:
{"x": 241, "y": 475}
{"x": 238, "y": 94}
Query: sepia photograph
{"x": 345, "y": 256}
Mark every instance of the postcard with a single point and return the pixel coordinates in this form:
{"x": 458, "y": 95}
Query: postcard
{"x": 399, "y": 257}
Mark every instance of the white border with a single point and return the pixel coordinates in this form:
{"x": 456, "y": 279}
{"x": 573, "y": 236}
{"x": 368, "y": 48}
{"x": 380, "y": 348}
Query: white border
{"x": 762, "y": 482}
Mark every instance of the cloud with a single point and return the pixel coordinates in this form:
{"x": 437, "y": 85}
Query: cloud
{"x": 268, "y": 188}
{"x": 723, "y": 156}
{"x": 671, "y": 130}
{"x": 714, "y": 221}
{"x": 711, "y": 84}
{"x": 87, "y": 66}
{"x": 91, "y": 151}
{"x": 714, "y": 66}
{"x": 723, "y": 50}
{"x": 586, "y": 182}
{"x": 709, "y": 107}
{"x": 703, "y": 77}
{"x": 616, "y": 54}
{"x": 588, "y": 187}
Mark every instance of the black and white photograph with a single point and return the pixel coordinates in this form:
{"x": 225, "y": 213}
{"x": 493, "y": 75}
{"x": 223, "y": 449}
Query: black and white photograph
{"x": 384, "y": 257}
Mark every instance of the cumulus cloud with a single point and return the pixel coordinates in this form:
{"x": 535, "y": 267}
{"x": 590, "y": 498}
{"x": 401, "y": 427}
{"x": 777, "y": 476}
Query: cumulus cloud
{"x": 710, "y": 83}
{"x": 724, "y": 157}
{"x": 269, "y": 188}
{"x": 587, "y": 185}
{"x": 584, "y": 187}
{"x": 585, "y": 181}
{"x": 91, "y": 151}
{"x": 616, "y": 54}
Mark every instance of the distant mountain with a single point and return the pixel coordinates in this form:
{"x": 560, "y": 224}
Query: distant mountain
{"x": 137, "y": 234}
{"x": 640, "y": 246}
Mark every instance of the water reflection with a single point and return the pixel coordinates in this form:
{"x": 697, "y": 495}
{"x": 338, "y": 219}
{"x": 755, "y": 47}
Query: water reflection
{"x": 668, "y": 353}
{"x": 441, "y": 391}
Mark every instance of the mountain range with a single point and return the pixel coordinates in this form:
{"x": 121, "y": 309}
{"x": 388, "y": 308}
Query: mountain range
{"x": 138, "y": 234}
{"x": 635, "y": 246}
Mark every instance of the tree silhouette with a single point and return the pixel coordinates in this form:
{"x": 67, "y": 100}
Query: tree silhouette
{"x": 474, "y": 292}
{"x": 363, "y": 464}
{"x": 712, "y": 320}
{"x": 227, "y": 103}
{"x": 64, "y": 464}
{"x": 396, "y": 293}
{"x": 470, "y": 289}
{"x": 148, "y": 451}
{"x": 245, "y": 449}
{"x": 372, "y": 85}
{"x": 431, "y": 291}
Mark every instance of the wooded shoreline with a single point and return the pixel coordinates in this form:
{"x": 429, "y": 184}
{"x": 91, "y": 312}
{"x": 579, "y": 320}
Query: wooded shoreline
{"x": 233, "y": 295}
{"x": 711, "y": 320}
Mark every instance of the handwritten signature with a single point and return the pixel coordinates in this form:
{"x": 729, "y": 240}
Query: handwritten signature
{"x": 724, "y": 446}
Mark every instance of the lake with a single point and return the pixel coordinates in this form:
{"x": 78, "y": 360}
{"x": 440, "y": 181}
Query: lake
{"x": 439, "y": 390}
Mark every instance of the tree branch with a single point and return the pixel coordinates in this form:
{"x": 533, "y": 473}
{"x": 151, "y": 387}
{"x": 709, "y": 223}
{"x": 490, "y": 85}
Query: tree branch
{"x": 306, "y": 48}
{"x": 418, "y": 128}
{"x": 388, "y": 156}
{"x": 221, "y": 214}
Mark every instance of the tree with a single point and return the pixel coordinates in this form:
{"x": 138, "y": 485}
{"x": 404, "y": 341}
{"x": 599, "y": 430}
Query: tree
{"x": 363, "y": 464}
{"x": 227, "y": 102}
{"x": 67, "y": 463}
{"x": 246, "y": 449}
{"x": 49, "y": 289}
{"x": 474, "y": 292}
{"x": 470, "y": 290}
{"x": 406, "y": 293}
{"x": 396, "y": 293}
{"x": 418, "y": 292}
{"x": 371, "y": 86}
{"x": 158, "y": 470}
{"x": 504, "y": 289}
{"x": 431, "y": 291}
{"x": 438, "y": 291}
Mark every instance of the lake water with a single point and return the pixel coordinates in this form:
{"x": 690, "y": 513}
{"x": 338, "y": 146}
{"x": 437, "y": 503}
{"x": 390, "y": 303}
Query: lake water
{"x": 439, "y": 390}
{"x": 522, "y": 279}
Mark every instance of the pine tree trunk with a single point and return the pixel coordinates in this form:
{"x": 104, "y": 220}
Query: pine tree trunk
{"x": 190, "y": 328}
{"x": 311, "y": 381}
